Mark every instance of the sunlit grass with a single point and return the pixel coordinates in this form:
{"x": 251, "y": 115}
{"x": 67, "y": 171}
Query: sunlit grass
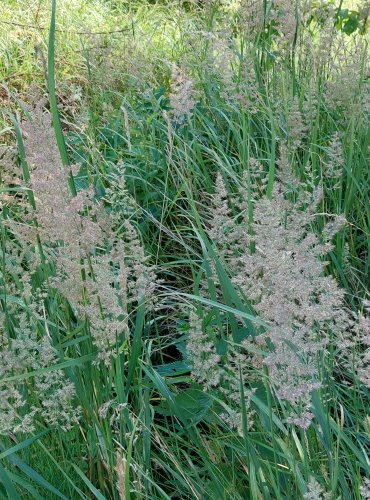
{"x": 147, "y": 430}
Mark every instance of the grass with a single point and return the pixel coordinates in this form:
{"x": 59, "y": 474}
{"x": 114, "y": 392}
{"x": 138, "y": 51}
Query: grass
{"x": 167, "y": 429}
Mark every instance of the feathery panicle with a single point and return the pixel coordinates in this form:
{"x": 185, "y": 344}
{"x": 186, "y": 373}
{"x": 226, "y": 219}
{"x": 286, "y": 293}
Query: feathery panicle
{"x": 53, "y": 390}
{"x": 283, "y": 13}
{"x": 365, "y": 489}
{"x": 99, "y": 284}
{"x": 202, "y": 354}
{"x": 284, "y": 278}
{"x": 102, "y": 272}
{"x": 364, "y": 362}
{"x": 333, "y": 166}
{"x": 252, "y": 16}
{"x": 182, "y": 95}
{"x": 121, "y": 475}
{"x": 314, "y": 490}
{"x": 296, "y": 126}
{"x": 216, "y": 373}
{"x": 56, "y": 393}
{"x": 345, "y": 89}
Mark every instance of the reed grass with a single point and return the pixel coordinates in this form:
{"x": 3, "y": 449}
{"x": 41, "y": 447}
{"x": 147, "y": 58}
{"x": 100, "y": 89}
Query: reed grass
{"x": 146, "y": 427}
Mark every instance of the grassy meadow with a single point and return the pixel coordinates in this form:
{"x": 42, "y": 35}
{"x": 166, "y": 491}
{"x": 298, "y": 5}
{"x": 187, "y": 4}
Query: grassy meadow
{"x": 185, "y": 236}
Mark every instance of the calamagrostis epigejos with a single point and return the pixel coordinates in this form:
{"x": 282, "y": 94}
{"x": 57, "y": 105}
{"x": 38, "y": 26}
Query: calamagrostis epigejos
{"x": 277, "y": 263}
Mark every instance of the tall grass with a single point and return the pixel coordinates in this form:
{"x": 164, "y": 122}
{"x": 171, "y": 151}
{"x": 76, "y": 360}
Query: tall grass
{"x": 142, "y": 425}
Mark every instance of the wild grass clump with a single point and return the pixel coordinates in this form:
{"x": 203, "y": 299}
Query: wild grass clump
{"x": 184, "y": 296}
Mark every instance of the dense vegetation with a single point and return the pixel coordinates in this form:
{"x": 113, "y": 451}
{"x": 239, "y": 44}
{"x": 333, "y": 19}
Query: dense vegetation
{"x": 185, "y": 235}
